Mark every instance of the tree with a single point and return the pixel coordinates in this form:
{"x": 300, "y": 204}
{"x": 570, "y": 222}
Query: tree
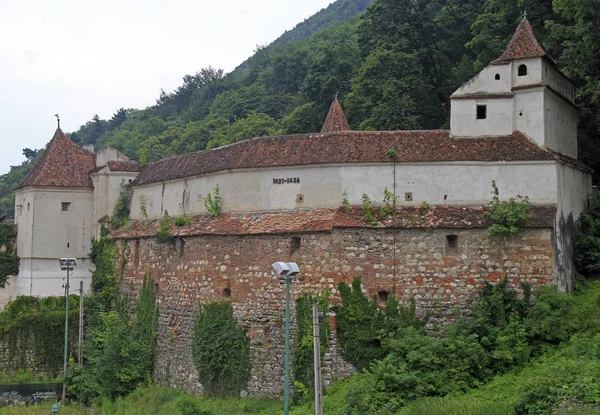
{"x": 117, "y": 119}
{"x": 29, "y": 153}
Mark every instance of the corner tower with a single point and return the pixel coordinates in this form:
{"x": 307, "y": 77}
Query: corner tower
{"x": 521, "y": 90}
{"x": 54, "y": 216}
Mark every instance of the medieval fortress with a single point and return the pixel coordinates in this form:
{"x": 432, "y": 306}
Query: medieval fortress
{"x": 514, "y": 123}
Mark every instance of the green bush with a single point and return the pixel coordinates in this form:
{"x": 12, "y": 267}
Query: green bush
{"x": 9, "y": 261}
{"x": 164, "y": 235}
{"x": 508, "y": 216}
{"x": 418, "y": 366}
{"x": 221, "y": 350}
{"x": 587, "y": 245}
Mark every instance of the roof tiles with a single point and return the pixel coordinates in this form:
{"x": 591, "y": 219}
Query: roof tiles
{"x": 324, "y": 220}
{"x": 63, "y": 164}
{"x": 523, "y": 45}
{"x": 336, "y": 119}
{"x": 344, "y": 147}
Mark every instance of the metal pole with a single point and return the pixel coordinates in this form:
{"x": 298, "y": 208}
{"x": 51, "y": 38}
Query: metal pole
{"x": 317, "y": 358}
{"x": 64, "y": 394}
{"x": 80, "y": 322}
{"x": 286, "y": 385}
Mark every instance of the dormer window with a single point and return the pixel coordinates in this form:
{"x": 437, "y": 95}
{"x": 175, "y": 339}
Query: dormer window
{"x": 522, "y": 71}
{"x": 481, "y": 112}
{"x": 497, "y": 77}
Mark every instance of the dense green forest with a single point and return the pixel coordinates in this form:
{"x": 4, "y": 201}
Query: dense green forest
{"x": 393, "y": 67}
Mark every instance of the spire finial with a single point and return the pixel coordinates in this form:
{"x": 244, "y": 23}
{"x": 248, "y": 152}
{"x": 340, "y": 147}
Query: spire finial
{"x": 524, "y": 14}
{"x": 57, "y": 119}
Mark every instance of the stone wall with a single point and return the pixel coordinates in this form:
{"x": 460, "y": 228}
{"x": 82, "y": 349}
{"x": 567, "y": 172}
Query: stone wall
{"x": 442, "y": 269}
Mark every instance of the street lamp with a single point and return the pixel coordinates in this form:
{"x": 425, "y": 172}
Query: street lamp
{"x": 66, "y": 264}
{"x": 286, "y": 272}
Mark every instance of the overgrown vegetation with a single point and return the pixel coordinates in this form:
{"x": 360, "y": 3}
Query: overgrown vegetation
{"x": 221, "y": 350}
{"x": 164, "y": 235}
{"x": 388, "y": 207}
{"x": 303, "y": 357}
{"x": 212, "y": 202}
{"x": 367, "y": 208}
{"x": 363, "y": 329}
{"x": 9, "y": 261}
{"x": 508, "y": 216}
{"x": 120, "y": 342}
{"x": 587, "y": 246}
{"x": 30, "y": 327}
{"x": 345, "y": 203}
{"x": 120, "y": 217}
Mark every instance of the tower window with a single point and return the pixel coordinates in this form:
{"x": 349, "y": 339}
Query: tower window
{"x": 227, "y": 292}
{"x": 481, "y": 112}
{"x": 65, "y": 206}
{"x": 522, "y": 71}
{"x": 497, "y": 77}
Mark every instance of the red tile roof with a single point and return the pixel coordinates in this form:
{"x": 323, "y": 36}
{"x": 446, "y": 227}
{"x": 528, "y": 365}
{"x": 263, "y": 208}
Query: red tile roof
{"x": 63, "y": 164}
{"x": 523, "y": 44}
{"x": 127, "y": 166}
{"x": 336, "y": 119}
{"x": 323, "y": 220}
{"x": 344, "y": 147}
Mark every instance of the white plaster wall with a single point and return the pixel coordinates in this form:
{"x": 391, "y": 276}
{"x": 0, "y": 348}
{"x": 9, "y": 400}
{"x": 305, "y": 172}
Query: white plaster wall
{"x": 54, "y": 229}
{"x": 534, "y": 71}
{"x": 9, "y": 292}
{"x": 44, "y": 278}
{"x": 557, "y": 81}
{"x": 464, "y": 122}
{"x": 321, "y": 186}
{"x": 529, "y": 114}
{"x": 107, "y": 188}
{"x": 104, "y": 155}
{"x": 24, "y": 220}
{"x": 574, "y": 188}
{"x": 560, "y": 125}
{"x": 485, "y": 82}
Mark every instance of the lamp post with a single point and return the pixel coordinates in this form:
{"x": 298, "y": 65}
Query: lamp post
{"x": 286, "y": 271}
{"x": 66, "y": 264}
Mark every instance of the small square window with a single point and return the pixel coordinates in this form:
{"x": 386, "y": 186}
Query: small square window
{"x": 65, "y": 206}
{"x": 408, "y": 197}
{"x": 295, "y": 244}
{"x": 481, "y": 112}
{"x": 452, "y": 241}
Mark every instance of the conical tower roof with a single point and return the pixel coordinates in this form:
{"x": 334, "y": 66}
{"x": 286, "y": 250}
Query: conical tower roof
{"x": 336, "y": 120}
{"x": 523, "y": 45}
{"x": 63, "y": 164}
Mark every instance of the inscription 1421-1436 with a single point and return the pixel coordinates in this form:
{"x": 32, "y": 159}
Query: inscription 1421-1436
{"x": 286, "y": 180}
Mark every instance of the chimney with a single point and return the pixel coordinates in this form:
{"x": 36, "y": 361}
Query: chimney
{"x": 89, "y": 147}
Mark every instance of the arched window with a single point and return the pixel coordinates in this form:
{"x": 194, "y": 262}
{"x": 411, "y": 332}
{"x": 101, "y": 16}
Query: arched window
{"x": 522, "y": 70}
{"x": 497, "y": 77}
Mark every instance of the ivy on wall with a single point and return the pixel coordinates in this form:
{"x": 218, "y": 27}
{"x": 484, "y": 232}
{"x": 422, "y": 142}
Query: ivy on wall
{"x": 9, "y": 261}
{"x": 303, "y": 359}
{"x": 33, "y": 327}
{"x": 221, "y": 350}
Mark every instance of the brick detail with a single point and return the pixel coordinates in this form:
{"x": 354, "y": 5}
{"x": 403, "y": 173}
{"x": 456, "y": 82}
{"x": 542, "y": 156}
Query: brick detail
{"x": 440, "y": 280}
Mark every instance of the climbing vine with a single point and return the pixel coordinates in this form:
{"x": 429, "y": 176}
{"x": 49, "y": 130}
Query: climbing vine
{"x": 9, "y": 261}
{"x": 221, "y": 350}
{"x": 507, "y": 216}
{"x": 303, "y": 360}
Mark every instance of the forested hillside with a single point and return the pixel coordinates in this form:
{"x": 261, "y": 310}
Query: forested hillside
{"x": 394, "y": 67}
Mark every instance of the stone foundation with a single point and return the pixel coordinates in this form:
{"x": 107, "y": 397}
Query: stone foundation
{"x": 442, "y": 269}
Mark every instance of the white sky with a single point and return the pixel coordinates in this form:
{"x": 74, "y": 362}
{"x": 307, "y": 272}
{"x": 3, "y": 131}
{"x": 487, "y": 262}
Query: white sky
{"x": 81, "y": 58}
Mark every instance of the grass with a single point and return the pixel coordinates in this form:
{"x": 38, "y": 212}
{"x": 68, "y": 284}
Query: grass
{"x": 26, "y": 376}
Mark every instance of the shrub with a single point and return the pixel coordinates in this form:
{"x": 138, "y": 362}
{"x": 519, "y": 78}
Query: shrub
{"x": 164, "y": 235}
{"x": 9, "y": 261}
{"x": 587, "y": 245}
{"x": 213, "y": 203}
{"x": 367, "y": 207}
{"x": 221, "y": 350}
{"x": 507, "y": 216}
{"x": 183, "y": 220}
{"x": 388, "y": 207}
{"x": 122, "y": 208}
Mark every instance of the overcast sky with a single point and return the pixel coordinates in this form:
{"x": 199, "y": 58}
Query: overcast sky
{"x": 81, "y": 58}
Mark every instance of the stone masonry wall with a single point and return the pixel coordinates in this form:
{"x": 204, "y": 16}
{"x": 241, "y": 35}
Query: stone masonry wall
{"x": 442, "y": 274}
